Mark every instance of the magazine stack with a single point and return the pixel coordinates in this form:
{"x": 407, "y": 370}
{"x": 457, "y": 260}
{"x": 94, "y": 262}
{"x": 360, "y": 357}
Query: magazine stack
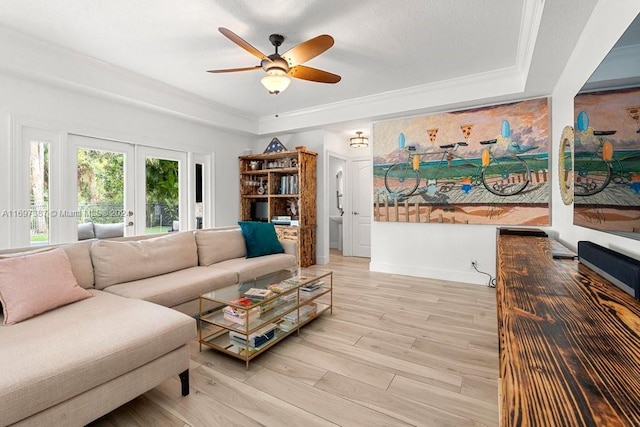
{"x": 312, "y": 289}
{"x": 238, "y": 315}
{"x": 256, "y": 339}
{"x": 306, "y": 311}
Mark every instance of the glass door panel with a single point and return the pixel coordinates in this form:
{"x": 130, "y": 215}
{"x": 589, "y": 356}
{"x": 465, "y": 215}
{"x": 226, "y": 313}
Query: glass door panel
{"x": 104, "y": 203}
{"x": 200, "y": 204}
{"x": 199, "y": 188}
{"x": 39, "y": 193}
{"x": 100, "y": 186}
{"x": 162, "y": 195}
{"x": 162, "y": 183}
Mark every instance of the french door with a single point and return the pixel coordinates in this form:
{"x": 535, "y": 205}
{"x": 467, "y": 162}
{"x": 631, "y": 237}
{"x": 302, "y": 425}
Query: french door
{"x": 105, "y": 183}
{"x": 161, "y": 190}
{"x": 62, "y": 182}
{"x": 142, "y": 188}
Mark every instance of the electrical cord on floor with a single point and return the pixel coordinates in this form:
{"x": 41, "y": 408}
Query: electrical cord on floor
{"x": 492, "y": 280}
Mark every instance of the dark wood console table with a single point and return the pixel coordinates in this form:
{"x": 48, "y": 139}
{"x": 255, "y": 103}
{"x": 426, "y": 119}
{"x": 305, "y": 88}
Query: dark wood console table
{"x": 569, "y": 341}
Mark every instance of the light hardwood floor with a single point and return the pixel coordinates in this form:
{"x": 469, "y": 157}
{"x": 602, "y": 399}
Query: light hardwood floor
{"x": 397, "y": 350}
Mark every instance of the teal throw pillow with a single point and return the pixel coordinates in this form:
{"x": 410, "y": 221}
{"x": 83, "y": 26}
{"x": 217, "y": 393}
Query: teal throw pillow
{"x": 260, "y": 238}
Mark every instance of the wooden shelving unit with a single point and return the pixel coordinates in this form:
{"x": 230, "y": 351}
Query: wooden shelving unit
{"x": 282, "y": 184}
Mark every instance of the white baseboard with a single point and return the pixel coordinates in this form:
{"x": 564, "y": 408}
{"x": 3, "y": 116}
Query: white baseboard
{"x": 472, "y": 277}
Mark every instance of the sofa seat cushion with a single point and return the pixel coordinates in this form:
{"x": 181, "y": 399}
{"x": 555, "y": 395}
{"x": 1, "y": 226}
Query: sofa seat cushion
{"x": 124, "y": 261}
{"x": 176, "y": 288}
{"x": 64, "y": 352}
{"x": 251, "y": 268}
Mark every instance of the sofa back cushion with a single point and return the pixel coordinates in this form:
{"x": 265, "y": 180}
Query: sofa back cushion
{"x": 219, "y": 245}
{"x": 123, "y": 261}
{"x": 33, "y": 284}
{"x": 80, "y": 258}
{"x": 78, "y": 254}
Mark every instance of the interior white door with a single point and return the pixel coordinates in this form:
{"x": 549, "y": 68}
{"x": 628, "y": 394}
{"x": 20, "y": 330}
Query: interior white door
{"x": 361, "y": 207}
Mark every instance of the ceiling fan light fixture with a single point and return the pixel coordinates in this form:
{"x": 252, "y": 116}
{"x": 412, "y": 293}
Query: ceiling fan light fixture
{"x": 276, "y": 81}
{"x": 359, "y": 141}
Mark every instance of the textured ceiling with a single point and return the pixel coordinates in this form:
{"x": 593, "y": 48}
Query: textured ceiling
{"x": 381, "y": 46}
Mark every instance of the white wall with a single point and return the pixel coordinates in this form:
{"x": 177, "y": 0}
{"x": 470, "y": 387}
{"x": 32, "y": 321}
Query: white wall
{"x": 607, "y": 23}
{"x": 439, "y": 251}
{"x": 68, "y": 111}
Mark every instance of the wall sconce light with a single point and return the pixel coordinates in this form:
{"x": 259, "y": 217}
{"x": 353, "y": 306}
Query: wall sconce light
{"x": 276, "y": 80}
{"x": 359, "y": 141}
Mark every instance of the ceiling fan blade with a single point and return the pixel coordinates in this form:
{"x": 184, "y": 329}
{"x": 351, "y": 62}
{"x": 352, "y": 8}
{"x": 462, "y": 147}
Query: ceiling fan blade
{"x": 307, "y": 50}
{"x": 233, "y": 70}
{"x": 313, "y": 74}
{"x": 240, "y": 42}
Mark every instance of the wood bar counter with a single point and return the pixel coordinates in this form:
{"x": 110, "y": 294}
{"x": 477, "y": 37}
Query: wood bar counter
{"x": 569, "y": 341}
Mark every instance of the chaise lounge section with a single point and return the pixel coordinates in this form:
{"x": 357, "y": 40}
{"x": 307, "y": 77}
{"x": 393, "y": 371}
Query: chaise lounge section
{"x": 77, "y": 362}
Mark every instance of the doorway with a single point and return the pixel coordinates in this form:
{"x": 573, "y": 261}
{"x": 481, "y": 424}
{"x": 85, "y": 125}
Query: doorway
{"x": 337, "y": 189}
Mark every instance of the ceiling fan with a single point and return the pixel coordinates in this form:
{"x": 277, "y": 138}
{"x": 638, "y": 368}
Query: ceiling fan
{"x": 280, "y": 67}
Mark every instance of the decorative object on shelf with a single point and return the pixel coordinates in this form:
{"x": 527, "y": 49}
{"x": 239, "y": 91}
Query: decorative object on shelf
{"x": 359, "y": 141}
{"x": 254, "y": 165}
{"x": 565, "y": 165}
{"x": 293, "y": 207}
{"x": 275, "y": 146}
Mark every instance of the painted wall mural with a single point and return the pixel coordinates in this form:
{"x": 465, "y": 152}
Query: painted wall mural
{"x": 487, "y": 165}
{"x": 607, "y": 160}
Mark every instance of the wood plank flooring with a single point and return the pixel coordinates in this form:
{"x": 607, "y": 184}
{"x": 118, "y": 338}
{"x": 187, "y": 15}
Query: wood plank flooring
{"x": 397, "y": 351}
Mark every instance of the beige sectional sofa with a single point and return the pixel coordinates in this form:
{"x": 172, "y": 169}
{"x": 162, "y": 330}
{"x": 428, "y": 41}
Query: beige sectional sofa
{"x": 73, "y": 364}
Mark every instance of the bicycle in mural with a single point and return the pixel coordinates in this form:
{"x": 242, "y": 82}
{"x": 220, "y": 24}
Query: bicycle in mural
{"x": 506, "y": 175}
{"x": 595, "y": 169}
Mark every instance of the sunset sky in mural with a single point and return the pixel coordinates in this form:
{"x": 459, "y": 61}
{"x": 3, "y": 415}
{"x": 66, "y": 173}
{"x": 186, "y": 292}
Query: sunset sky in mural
{"x": 608, "y": 111}
{"x": 528, "y": 121}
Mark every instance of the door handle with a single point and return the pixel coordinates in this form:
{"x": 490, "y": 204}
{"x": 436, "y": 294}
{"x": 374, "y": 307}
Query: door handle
{"x": 130, "y": 224}
{"x": 355, "y": 213}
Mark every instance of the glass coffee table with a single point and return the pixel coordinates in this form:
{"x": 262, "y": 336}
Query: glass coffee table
{"x": 246, "y": 319}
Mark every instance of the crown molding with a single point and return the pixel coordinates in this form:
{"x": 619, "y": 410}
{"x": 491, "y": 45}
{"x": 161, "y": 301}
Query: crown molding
{"x": 529, "y": 27}
{"x": 37, "y": 60}
{"x": 467, "y": 90}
